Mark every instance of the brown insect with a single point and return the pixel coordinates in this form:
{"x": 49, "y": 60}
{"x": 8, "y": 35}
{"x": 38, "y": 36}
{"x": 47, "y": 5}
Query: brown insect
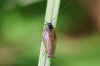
{"x": 49, "y": 39}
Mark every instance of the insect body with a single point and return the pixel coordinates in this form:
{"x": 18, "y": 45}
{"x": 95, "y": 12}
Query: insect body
{"x": 49, "y": 40}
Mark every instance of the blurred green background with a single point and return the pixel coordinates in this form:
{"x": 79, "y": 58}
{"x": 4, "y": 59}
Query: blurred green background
{"x": 21, "y": 24}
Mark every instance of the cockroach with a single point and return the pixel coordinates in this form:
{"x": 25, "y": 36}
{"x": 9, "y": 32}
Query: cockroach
{"x": 49, "y": 38}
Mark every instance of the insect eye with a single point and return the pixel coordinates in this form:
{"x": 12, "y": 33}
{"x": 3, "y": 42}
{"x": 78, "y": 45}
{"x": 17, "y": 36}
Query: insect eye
{"x": 50, "y": 26}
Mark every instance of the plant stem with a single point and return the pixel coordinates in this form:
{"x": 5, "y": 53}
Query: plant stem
{"x": 50, "y": 17}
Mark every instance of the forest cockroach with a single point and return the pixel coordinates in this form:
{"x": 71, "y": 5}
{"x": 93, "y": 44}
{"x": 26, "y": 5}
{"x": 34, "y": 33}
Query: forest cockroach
{"x": 49, "y": 39}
